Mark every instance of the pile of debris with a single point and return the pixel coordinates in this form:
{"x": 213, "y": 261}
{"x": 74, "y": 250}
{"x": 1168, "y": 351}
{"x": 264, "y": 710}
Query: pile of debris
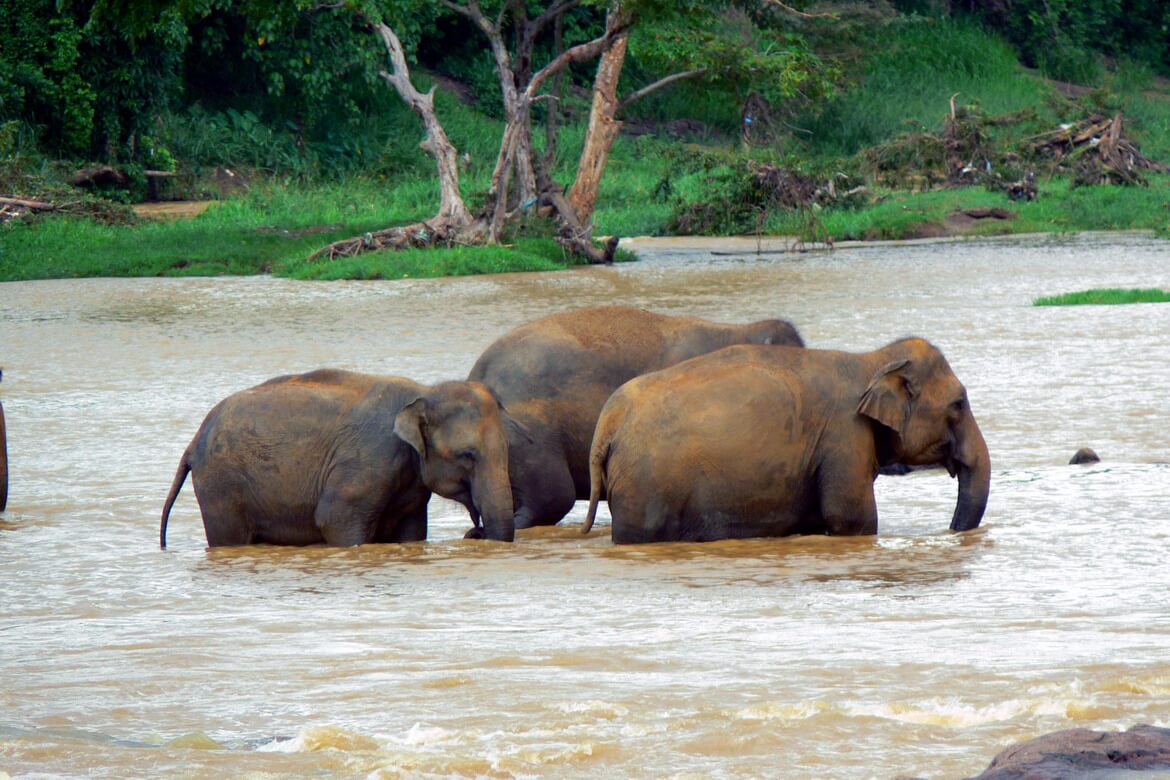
{"x": 15, "y": 208}
{"x": 1095, "y": 151}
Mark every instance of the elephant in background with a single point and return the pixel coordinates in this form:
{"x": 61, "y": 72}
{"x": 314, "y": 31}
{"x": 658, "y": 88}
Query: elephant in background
{"x": 555, "y": 374}
{"x": 346, "y": 458}
{"x": 769, "y": 441}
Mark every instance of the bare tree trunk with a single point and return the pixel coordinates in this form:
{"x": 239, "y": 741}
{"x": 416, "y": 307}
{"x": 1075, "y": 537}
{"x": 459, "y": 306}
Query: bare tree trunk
{"x": 451, "y": 206}
{"x": 602, "y": 132}
{"x": 453, "y": 222}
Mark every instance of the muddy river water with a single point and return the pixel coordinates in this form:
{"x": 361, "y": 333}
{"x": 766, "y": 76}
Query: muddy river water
{"x": 916, "y": 652}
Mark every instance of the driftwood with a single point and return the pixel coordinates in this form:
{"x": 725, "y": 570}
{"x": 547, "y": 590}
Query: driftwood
{"x": 428, "y": 233}
{"x": 27, "y": 205}
{"x": 14, "y": 208}
{"x": 1096, "y": 150}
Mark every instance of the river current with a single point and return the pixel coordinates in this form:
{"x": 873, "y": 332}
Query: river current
{"x": 915, "y": 652}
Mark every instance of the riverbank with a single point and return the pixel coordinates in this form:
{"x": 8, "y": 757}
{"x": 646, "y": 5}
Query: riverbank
{"x": 273, "y": 229}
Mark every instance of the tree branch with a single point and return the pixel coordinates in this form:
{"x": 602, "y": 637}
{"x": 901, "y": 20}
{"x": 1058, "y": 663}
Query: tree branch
{"x": 795, "y": 12}
{"x": 657, "y": 85}
{"x": 580, "y": 52}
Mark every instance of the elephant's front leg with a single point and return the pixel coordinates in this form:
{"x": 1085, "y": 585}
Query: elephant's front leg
{"x": 847, "y": 503}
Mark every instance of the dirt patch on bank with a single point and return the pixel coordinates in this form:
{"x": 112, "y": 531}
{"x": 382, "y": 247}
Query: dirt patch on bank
{"x": 177, "y": 209}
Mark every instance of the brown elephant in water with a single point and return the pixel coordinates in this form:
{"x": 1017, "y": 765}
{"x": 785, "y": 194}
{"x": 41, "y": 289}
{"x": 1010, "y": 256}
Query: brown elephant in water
{"x": 555, "y": 374}
{"x": 345, "y": 458}
{"x": 3, "y": 456}
{"x": 770, "y": 441}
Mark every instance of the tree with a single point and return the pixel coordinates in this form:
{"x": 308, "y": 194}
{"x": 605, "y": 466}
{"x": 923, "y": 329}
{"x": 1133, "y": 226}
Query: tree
{"x": 514, "y": 178}
{"x": 680, "y": 38}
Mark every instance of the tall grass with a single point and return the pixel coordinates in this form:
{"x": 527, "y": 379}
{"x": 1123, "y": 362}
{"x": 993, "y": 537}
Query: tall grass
{"x": 918, "y": 65}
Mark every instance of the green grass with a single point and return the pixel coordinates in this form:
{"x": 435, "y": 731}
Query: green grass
{"x": 271, "y": 230}
{"x": 918, "y": 65}
{"x": 1060, "y": 208}
{"x": 531, "y": 254}
{"x": 1106, "y": 296}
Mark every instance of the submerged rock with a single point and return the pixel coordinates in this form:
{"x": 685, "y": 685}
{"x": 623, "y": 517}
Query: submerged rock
{"x": 1083, "y": 754}
{"x": 1084, "y": 455}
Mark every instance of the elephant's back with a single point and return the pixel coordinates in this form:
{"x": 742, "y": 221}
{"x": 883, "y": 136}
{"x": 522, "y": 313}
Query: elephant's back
{"x": 572, "y": 353}
{"x": 287, "y": 421}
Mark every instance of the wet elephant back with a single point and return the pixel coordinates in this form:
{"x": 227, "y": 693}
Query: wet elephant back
{"x": 571, "y": 354}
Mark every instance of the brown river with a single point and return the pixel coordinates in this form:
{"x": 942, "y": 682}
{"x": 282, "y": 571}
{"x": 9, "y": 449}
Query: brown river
{"x": 915, "y": 652}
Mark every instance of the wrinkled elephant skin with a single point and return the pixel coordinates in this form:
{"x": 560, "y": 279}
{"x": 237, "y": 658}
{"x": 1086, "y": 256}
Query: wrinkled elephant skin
{"x": 769, "y": 441}
{"x": 554, "y": 375}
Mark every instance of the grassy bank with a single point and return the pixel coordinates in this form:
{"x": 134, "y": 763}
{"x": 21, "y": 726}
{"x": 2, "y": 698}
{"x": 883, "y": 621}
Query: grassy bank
{"x": 656, "y": 184}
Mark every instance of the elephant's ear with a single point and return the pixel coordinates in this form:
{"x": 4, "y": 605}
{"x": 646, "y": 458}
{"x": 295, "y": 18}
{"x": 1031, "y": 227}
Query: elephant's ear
{"x": 411, "y": 423}
{"x": 887, "y": 399}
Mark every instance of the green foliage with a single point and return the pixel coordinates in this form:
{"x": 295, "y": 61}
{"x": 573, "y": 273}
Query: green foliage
{"x": 1066, "y": 38}
{"x": 1059, "y": 208}
{"x": 39, "y": 79}
{"x": 746, "y": 67}
{"x": 908, "y": 77}
{"x": 87, "y": 88}
{"x": 1110, "y": 295}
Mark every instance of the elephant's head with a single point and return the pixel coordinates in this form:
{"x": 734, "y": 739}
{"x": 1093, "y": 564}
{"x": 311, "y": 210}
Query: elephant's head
{"x": 925, "y": 419}
{"x": 458, "y": 431}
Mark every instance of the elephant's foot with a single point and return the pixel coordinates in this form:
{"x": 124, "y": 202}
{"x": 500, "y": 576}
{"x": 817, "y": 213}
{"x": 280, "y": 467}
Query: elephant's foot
{"x": 475, "y": 532}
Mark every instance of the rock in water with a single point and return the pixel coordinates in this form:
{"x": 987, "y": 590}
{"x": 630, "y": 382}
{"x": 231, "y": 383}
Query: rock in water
{"x": 1083, "y": 754}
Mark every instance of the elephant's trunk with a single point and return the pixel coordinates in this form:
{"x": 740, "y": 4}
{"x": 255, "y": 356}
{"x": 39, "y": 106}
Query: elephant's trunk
{"x": 493, "y": 499}
{"x": 972, "y": 465}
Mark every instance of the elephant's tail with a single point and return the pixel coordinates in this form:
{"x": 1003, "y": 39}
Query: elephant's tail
{"x": 177, "y": 485}
{"x": 598, "y": 454}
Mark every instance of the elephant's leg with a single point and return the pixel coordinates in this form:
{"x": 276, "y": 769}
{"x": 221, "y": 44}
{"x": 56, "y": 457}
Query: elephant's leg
{"x": 226, "y": 522}
{"x": 548, "y": 501}
{"x": 411, "y": 527}
{"x": 848, "y": 506}
{"x": 346, "y": 517}
{"x": 544, "y": 495}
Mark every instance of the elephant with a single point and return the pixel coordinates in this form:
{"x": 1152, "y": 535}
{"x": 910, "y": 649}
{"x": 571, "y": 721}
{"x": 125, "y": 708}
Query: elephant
{"x": 3, "y": 456}
{"x": 346, "y": 458}
{"x": 554, "y": 375}
{"x": 755, "y": 441}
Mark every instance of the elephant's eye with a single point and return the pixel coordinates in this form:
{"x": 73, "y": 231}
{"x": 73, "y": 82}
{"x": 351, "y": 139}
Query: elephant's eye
{"x": 467, "y": 456}
{"x": 958, "y": 406}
